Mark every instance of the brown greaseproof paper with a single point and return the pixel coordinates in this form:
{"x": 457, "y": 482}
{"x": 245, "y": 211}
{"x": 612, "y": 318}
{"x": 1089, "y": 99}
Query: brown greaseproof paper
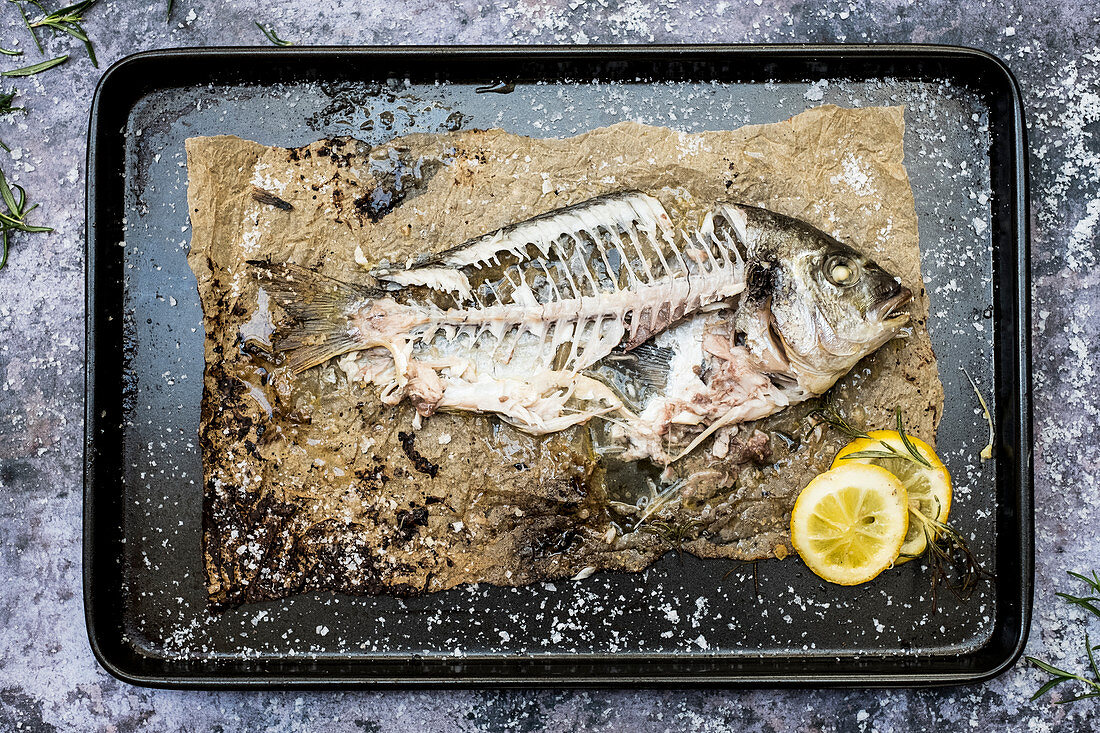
{"x": 312, "y": 484}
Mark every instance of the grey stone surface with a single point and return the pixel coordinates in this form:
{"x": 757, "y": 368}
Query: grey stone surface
{"x": 48, "y": 678}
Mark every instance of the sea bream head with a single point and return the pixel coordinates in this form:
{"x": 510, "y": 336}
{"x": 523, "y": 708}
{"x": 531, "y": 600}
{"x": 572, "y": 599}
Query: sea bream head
{"x": 813, "y": 306}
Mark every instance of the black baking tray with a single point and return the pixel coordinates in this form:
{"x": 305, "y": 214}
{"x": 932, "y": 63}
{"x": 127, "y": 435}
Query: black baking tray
{"x": 145, "y": 605}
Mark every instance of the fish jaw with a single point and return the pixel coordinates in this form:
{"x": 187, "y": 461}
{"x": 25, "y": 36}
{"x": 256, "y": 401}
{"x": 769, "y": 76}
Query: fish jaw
{"x": 890, "y": 308}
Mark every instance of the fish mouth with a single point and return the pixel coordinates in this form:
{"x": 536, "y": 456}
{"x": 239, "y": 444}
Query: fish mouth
{"x": 889, "y": 308}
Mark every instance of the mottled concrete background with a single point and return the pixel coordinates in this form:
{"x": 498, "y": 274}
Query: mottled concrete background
{"x": 48, "y": 678}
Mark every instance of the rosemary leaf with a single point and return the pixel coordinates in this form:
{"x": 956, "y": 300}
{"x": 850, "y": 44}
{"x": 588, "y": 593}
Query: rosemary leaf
{"x": 1049, "y": 668}
{"x": 10, "y": 52}
{"x": 7, "y": 109}
{"x": 36, "y": 68}
{"x": 1086, "y": 603}
{"x": 27, "y": 22}
{"x": 1092, "y": 659}
{"x": 917, "y": 455}
{"x": 1079, "y": 697}
{"x": 8, "y": 197}
{"x": 5, "y": 103}
{"x": 1093, "y": 582}
{"x": 870, "y": 454}
{"x": 168, "y": 12}
{"x": 1050, "y": 684}
{"x": 269, "y": 32}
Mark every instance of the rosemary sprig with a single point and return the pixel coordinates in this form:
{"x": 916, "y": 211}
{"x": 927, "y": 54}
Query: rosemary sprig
{"x": 269, "y": 32}
{"x": 14, "y": 218}
{"x": 674, "y": 533}
{"x": 7, "y": 109}
{"x": 830, "y": 415}
{"x": 66, "y": 20}
{"x": 1059, "y": 676}
{"x": 953, "y": 564}
{"x": 36, "y": 68}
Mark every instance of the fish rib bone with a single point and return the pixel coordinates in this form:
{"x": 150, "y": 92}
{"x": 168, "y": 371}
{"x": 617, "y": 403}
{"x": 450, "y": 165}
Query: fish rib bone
{"x": 677, "y": 295}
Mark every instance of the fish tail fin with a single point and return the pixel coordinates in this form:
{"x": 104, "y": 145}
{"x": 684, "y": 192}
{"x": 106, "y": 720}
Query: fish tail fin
{"x": 318, "y": 306}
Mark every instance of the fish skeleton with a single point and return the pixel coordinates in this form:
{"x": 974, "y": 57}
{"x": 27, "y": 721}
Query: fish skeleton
{"x": 531, "y": 322}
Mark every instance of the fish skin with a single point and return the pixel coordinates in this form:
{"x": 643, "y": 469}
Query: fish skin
{"x": 513, "y": 322}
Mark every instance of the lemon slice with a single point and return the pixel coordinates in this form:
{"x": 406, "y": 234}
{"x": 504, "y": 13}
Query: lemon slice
{"x": 929, "y": 489}
{"x": 849, "y": 523}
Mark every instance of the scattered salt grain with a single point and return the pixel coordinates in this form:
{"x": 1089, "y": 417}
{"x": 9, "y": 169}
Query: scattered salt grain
{"x": 816, "y": 92}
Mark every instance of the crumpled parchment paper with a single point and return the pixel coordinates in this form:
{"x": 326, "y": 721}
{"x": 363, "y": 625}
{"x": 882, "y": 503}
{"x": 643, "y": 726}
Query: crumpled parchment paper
{"x": 312, "y": 484}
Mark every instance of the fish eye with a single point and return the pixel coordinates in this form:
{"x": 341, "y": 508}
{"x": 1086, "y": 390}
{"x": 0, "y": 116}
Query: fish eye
{"x": 842, "y": 271}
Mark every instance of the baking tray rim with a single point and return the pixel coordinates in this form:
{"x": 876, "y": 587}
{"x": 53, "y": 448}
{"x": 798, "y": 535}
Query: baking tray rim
{"x": 1019, "y": 429}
